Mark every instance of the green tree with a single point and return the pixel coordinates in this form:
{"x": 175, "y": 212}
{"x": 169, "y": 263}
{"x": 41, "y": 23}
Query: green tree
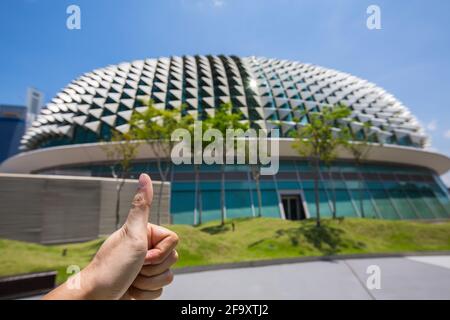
{"x": 318, "y": 140}
{"x": 222, "y": 119}
{"x": 155, "y": 127}
{"x": 359, "y": 143}
{"x": 121, "y": 151}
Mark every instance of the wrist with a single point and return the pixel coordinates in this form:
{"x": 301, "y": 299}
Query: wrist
{"x": 88, "y": 289}
{"x": 78, "y": 287}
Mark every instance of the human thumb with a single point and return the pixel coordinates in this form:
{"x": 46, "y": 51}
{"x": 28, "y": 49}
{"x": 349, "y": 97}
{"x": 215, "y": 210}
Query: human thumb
{"x": 137, "y": 219}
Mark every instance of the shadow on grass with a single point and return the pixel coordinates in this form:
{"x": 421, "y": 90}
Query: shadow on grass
{"x": 230, "y": 225}
{"x": 216, "y": 229}
{"x": 326, "y": 239}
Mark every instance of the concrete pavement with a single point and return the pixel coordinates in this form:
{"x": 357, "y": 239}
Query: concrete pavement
{"x": 425, "y": 277}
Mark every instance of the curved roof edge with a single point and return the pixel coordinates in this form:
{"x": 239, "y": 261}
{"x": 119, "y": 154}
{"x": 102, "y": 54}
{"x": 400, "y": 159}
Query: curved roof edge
{"x": 77, "y": 154}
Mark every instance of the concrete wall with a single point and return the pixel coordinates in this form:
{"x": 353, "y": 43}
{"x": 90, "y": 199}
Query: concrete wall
{"x": 57, "y": 209}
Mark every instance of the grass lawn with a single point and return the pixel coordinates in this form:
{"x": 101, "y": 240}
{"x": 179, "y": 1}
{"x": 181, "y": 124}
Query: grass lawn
{"x": 252, "y": 239}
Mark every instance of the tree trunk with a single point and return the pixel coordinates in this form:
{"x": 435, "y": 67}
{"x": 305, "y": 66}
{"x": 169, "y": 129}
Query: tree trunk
{"x": 163, "y": 174}
{"x": 333, "y": 194}
{"x": 118, "y": 192}
{"x": 255, "y": 175}
{"x": 196, "y": 197}
{"x": 222, "y": 195}
{"x": 199, "y": 194}
{"x": 361, "y": 192}
{"x": 361, "y": 202}
{"x": 258, "y": 190}
{"x": 316, "y": 191}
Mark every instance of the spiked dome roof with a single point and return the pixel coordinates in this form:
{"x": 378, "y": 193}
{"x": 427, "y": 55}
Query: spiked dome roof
{"x": 263, "y": 90}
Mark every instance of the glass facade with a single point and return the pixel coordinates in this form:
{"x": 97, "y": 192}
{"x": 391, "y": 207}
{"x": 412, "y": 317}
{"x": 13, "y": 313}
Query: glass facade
{"x": 12, "y": 127}
{"x": 380, "y": 191}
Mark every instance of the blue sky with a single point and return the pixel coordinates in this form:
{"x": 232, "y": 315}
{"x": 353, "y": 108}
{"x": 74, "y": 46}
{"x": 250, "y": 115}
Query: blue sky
{"x": 409, "y": 56}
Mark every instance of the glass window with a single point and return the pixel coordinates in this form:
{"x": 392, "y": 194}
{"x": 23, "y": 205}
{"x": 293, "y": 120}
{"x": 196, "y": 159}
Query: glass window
{"x": 237, "y": 168}
{"x": 363, "y": 202}
{"x": 183, "y": 168}
{"x": 336, "y": 181}
{"x": 438, "y": 210}
{"x": 325, "y": 210}
{"x": 344, "y": 206}
{"x": 383, "y": 203}
{"x": 443, "y": 198}
{"x": 238, "y": 199}
{"x": 303, "y": 166}
{"x": 402, "y": 204}
{"x": 288, "y": 185}
{"x": 287, "y": 166}
{"x": 389, "y": 192}
{"x": 269, "y": 199}
{"x": 211, "y": 205}
{"x": 419, "y": 203}
{"x": 354, "y": 184}
{"x": 211, "y": 168}
{"x": 182, "y": 207}
{"x": 309, "y": 184}
{"x": 238, "y": 203}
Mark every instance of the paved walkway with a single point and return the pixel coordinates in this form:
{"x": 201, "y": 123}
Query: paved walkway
{"x": 401, "y": 278}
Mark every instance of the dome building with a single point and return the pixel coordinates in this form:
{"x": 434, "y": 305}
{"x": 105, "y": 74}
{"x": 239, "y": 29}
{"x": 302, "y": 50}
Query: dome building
{"x": 400, "y": 176}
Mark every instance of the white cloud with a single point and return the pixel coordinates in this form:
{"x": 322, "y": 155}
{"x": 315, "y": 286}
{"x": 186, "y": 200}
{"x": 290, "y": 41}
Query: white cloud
{"x": 218, "y": 3}
{"x": 447, "y": 134}
{"x": 432, "y": 125}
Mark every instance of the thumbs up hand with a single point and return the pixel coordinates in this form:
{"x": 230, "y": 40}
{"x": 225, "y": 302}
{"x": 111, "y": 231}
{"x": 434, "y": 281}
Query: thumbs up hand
{"x": 133, "y": 263}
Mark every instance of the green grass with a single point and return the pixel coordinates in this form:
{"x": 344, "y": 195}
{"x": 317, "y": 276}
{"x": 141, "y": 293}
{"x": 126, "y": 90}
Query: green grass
{"x": 252, "y": 239}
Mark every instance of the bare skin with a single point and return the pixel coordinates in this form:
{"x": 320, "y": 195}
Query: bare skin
{"x": 133, "y": 263}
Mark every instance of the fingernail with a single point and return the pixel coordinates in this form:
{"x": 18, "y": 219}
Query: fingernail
{"x": 142, "y": 181}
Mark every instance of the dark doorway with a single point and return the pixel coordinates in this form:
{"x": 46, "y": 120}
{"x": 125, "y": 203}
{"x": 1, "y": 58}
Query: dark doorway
{"x": 293, "y": 207}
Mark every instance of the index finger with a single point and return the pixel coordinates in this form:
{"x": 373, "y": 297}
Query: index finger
{"x": 162, "y": 242}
